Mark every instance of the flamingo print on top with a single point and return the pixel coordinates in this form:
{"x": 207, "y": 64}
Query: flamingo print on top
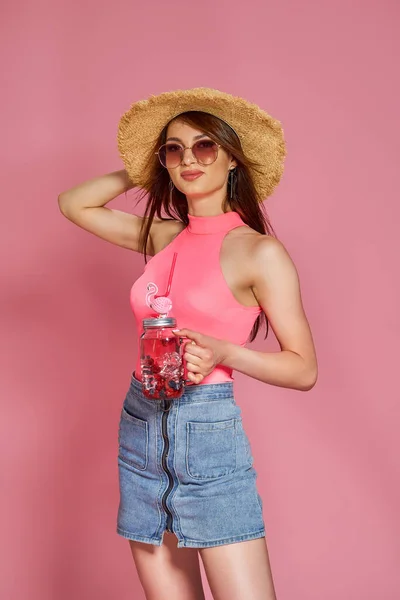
{"x": 201, "y": 299}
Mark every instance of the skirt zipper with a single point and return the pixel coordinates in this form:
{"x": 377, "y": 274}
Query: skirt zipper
{"x": 166, "y": 406}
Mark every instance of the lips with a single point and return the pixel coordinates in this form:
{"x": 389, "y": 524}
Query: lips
{"x": 191, "y": 175}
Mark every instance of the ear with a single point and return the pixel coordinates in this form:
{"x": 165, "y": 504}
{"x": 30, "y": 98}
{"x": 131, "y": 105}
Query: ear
{"x": 233, "y": 163}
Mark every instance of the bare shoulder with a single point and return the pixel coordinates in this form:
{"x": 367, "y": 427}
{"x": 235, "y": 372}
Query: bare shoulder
{"x": 163, "y": 231}
{"x": 269, "y": 247}
{"x": 272, "y": 261}
{"x": 263, "y": 254}
{"x": 246, "y": 241}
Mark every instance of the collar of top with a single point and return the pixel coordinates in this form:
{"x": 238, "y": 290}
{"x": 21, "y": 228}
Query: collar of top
{"x": 214, "y": 224}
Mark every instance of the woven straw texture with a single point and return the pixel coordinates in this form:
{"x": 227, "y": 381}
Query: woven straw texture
{"x": 260, "y": 134}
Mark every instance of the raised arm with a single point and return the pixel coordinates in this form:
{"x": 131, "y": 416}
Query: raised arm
{"x": 85, "y": 203}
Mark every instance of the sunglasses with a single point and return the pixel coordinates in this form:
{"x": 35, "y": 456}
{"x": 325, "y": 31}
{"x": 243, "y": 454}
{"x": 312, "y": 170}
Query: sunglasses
{"x": 171, "y": 154}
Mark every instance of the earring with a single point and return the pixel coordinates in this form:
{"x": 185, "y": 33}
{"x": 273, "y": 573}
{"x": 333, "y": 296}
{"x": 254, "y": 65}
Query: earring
{"x": 171, "y": 189}
{"x": 232, "y": 182}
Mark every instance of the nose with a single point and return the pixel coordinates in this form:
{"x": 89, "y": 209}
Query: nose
{"x": 188, "y": 157}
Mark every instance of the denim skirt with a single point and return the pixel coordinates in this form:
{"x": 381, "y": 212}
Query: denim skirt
{"x": 186, "y": 468}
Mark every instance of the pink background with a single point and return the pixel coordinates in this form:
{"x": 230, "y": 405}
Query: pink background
{"x": 328, "y": 460}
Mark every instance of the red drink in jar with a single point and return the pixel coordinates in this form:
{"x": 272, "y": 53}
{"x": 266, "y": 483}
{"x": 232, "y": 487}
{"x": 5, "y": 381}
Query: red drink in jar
{"x": 162, "y": 368}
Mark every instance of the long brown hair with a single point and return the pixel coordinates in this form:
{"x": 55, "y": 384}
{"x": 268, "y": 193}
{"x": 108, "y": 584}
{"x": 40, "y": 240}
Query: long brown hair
{"x": 245, "y": 200}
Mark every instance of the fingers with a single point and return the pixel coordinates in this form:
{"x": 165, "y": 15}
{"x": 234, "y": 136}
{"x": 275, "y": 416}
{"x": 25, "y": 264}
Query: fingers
{"x": 190, "y": 342}
{"x": 194, "y": 354}
{"x": 195, "y": 358}
{"x": 193, "y": 367}
{"x": 195, "y": 377}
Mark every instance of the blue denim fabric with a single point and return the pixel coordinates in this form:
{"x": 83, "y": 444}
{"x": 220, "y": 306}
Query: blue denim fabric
{"x": 213, "y": 498}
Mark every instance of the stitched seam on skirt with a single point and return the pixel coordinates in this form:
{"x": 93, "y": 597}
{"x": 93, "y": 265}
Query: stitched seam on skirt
{"x": 204, "y": 401}
{"x": 176, "y": 473}
{"x": 220, "y": 540}
{"x": 159, "y": 471}
{"x": 137, "y": 536}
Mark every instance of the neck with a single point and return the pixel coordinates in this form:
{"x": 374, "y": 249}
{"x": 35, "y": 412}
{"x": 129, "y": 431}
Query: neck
{"x": 206, "y": 224}
{"x": 209, "y": 204}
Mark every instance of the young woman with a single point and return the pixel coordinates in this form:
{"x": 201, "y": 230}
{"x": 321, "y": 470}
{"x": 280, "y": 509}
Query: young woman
{"x": 187, "y": 481}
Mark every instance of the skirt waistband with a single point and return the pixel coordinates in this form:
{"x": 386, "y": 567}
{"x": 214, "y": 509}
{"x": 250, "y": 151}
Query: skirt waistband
{"x": 192, "y": 393}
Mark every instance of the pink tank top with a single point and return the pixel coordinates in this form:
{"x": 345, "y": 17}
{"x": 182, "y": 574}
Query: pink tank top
{"x": 201, "y": 298}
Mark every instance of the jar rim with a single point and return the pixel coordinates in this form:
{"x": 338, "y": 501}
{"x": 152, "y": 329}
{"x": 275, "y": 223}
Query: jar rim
{"x": 160, "y": 322}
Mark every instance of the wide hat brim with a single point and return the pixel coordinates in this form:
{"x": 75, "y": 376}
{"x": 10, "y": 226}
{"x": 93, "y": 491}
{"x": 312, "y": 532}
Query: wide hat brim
{"x": 261, "y": 135}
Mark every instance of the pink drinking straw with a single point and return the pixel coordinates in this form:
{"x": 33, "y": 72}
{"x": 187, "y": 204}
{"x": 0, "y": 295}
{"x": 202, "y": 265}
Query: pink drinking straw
{"x": 161, "y": 303}
{"x": 171, "y": 273}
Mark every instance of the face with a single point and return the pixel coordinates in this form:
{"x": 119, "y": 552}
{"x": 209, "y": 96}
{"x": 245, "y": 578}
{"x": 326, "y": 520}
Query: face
{"x": 212, "y": 178}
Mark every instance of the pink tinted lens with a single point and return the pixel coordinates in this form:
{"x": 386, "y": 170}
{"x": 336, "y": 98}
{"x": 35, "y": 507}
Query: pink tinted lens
{"x": 205, "y": 151}
{"x": 170, "y": 155}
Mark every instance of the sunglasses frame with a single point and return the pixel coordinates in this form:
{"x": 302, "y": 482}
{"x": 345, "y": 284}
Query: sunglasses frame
{"x": 183, "y": 148}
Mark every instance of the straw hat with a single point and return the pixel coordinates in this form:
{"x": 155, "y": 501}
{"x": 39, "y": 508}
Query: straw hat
{"x": 261, "y": 135}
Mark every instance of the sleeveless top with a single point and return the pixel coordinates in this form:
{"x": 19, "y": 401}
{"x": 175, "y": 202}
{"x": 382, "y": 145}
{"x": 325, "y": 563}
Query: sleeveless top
{"x": 201, "y": 298}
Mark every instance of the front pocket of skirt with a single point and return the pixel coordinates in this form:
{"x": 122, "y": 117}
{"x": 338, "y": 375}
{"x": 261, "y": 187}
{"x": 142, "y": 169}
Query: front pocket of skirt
{"x": 133, "y": 440}
{"x": 210, "y": 449}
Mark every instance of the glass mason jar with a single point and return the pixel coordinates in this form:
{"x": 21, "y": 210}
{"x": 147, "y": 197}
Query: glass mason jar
{"x": 161, "y": 361}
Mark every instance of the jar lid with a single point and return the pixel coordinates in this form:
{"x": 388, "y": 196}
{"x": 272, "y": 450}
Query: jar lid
{"x": 160, "y": 322}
